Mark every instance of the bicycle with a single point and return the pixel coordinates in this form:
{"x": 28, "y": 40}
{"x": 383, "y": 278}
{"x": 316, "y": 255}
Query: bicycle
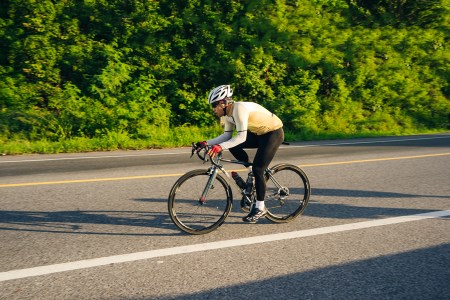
{"x": 200, "y": 200}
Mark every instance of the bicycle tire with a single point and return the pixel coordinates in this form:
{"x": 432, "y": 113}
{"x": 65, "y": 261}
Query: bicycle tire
{"x": 190, "y": 214}
{"x": 286, "y": 207}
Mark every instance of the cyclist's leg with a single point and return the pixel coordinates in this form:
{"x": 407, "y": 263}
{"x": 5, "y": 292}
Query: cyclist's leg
{"x": 268, "y": 146}
{"x": 238, "y": 151}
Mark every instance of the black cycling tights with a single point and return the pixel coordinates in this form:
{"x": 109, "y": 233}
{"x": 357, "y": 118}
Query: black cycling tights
{"x": 267, "y": 145}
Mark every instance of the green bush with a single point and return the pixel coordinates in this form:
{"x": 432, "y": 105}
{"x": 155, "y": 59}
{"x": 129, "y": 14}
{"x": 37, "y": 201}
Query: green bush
{"x": 127, "y": 71}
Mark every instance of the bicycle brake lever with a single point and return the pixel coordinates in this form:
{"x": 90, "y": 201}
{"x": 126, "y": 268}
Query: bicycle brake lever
{"x": 205, "y": 157}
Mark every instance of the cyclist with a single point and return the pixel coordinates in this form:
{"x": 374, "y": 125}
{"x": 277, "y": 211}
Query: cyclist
{"x": 256, "y": 128}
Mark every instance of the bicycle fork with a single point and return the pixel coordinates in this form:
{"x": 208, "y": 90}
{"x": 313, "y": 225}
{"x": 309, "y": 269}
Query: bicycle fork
{"x": 212, "y": 176}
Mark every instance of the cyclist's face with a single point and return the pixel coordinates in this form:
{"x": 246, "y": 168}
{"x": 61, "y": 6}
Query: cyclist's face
{"x": 218, "y": 109}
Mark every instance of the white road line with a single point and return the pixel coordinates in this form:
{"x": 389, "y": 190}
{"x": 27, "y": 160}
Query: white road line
{"x": 102, "y": 261}
{"x": 187, "y": 152}
{"x": 93, "y": 157}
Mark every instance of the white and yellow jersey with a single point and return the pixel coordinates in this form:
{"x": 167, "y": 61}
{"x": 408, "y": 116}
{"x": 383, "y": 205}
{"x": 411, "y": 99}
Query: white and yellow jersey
{"x": 245, "y": 116}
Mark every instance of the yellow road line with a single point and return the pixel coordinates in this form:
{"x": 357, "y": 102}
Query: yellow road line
{"x": 376, "y": 159}
{"x": 87, "y": 180}
{"x": 173, "y": 175}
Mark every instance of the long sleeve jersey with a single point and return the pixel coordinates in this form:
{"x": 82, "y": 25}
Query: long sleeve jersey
{"x": 245, "y": 116}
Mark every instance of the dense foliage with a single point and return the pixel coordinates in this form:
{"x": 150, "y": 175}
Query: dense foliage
{"x": 87, "y": 68}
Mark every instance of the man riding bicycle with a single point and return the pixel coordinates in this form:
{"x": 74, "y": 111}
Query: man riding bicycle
{"x": 256, "y": 128}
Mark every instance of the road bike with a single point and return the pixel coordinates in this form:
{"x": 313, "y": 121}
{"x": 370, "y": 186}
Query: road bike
{"x": 200, "y": 200}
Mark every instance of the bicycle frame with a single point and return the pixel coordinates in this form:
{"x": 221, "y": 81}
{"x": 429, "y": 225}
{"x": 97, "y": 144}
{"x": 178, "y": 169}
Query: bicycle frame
{"x": 216, "y": 166}
{"x": 213, "y": 171}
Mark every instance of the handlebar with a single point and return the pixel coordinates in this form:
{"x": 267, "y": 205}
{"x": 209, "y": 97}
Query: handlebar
{"x": 203, "y": 155}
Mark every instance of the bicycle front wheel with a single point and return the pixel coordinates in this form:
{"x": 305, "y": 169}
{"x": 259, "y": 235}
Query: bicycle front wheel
{"x": 194, "y": 215}
{"x": 287, "y": 193}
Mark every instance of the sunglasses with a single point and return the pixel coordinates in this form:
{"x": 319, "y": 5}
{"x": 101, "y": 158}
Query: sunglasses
{"x": 214, "y": 105}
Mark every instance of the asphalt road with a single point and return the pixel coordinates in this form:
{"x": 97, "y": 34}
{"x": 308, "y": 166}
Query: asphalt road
{"x": 95, "y": 226}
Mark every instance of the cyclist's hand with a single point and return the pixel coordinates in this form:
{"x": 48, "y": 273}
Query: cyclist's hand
{"x": 200, "y": 145}
{"x": 214, "y": 151}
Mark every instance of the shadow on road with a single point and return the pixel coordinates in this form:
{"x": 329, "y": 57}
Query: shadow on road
{"x": 368, "y": 194}
{"x": 85, "y": 222}
{"x": 399, "y": 276}
{"x": 323, "y": 209}
{"x": 119, "y": 222}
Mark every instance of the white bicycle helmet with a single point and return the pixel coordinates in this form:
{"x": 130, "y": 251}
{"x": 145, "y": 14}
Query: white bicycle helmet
{"x": 222, "y": 92}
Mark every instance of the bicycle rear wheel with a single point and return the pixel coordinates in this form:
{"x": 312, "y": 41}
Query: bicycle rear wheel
{"x": 287, "y": 195}
{"x": 192, "y": 215}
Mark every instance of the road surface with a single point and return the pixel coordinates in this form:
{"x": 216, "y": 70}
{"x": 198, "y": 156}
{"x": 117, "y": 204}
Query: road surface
{"x": 95, "y": 226}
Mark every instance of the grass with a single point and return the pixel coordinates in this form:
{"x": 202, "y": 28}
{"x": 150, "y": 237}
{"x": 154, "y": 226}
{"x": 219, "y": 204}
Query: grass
{"x": 161, "y": 138}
